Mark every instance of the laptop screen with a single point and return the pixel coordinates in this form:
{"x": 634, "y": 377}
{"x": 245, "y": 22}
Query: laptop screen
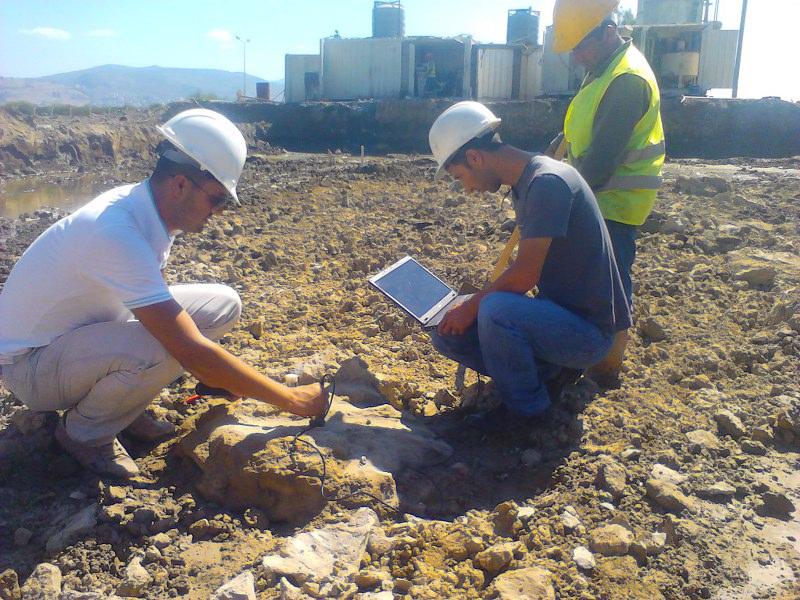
{"x": 413, "y": 287}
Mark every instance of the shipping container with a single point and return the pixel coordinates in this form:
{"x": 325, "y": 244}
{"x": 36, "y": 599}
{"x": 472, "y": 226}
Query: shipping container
{"x": 507, "y": 72}
{"x": 302, "y": 78}
{"x": 494, "y": 73}
{"x": 530, "y": 79}
{"x": 362, "y": 68}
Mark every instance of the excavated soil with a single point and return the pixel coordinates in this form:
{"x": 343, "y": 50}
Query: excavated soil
{"x": 704, "y": 499}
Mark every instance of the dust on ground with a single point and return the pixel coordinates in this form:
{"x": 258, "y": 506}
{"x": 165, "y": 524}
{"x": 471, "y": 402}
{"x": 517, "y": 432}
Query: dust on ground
{"x": 718, "y": 328}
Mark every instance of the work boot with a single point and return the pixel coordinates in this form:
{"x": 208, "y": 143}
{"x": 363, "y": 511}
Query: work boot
{"x": 147, "y": 428}
{"x": 606, "y": 373}
{"x": 109, "y": 459}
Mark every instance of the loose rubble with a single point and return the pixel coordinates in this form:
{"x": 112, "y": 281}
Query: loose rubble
{"x": 682, "y": 483}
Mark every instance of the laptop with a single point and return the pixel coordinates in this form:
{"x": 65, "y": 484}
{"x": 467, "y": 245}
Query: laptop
{"x": 417, "y": 291}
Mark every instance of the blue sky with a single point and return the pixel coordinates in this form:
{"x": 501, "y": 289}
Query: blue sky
{"x": 42, "y": 37}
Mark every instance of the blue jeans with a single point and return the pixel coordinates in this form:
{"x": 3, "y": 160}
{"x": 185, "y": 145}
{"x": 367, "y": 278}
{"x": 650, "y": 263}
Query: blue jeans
{"x": 522, "y": 342}
{"x": 623, "y": 240}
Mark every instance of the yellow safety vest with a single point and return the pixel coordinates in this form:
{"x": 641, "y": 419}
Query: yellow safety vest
{"x": 629, "y": 195}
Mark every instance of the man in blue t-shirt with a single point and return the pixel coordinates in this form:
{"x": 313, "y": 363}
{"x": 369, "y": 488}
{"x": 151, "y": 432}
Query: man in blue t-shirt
{"x": 525, "y": 343}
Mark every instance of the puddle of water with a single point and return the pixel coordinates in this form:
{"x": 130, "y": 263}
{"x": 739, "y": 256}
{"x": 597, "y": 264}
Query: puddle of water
{"x": 27, "y": 195}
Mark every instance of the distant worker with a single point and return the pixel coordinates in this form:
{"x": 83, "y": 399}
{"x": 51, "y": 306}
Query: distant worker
{"x": 88, "y": 325}
{"x": 530, "y": 346}
{"x": 427, "y": 77}
{"x": 613, "y": 135}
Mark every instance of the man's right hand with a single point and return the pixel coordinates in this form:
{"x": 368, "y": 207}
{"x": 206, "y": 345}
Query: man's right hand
{"x": 217, "y": 368}
{"x": 308, "y": 400}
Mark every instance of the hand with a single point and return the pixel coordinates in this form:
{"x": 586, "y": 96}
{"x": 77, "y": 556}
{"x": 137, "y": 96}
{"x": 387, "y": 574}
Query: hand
{"x": 459, "y": 319}
{"x": 307, "y": 400}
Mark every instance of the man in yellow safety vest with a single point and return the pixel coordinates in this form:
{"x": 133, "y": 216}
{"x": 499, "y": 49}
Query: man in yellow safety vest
{"x": 612, "y": 134}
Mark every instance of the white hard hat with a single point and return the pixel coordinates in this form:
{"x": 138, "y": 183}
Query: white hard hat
{"x": 456, "y": 126}
{"x": 212, "y": 140}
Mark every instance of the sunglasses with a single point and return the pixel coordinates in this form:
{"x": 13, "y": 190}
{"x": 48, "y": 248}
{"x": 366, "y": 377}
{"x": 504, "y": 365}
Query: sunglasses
{"x": 217, "y": 200}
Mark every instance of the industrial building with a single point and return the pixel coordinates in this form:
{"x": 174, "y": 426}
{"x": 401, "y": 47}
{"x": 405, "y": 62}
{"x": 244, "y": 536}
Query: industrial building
{"x": 689, "y": 53}
{"x": 392, "y": 65}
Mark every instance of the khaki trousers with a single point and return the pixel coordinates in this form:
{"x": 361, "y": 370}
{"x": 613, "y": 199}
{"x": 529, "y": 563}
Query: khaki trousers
{"x": 104, "y": 375}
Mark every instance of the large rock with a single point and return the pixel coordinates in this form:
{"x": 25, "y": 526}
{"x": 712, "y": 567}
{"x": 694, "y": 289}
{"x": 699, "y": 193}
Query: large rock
{"x": 241, "y": 587}
{"x": 775, "y": 503}
{"x": 354, "y": 380}
{"x": 718, "y": 491}
{"x": 583, "y": 558}
{"x": 612, "y": 477}
{"x": 788, "y": 420}
{"x": 648, "y": 545}
{"x": 136, "y": 579}
{"x": 248, "y": 458}
{"x": 315, "y": 556}
{"x": 610, "y": 540}
{"x": 700, "y": 439}
{"x": 664, "y": 473}
{"x": 668, "y": 496}
{"x": 730, "y": 424}
{"x": 651, "y": 329}
{"x": 760, "y": 268}
{"x": 9, "y": 585}
{"x": 81, "y": 522}
{"x": 43, "y": 584}
{"x": 496, "y": 558}
{"x": 533, "y": 583}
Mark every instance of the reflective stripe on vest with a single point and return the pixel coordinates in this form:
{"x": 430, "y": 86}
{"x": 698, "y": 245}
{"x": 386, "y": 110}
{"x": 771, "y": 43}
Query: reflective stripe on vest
{"x": 648, "y": 152}
{"x": 651, "y": 151}
{"x": 632, "y": 182}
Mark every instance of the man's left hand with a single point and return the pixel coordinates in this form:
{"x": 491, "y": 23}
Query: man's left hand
{"x": 459, "y": 319}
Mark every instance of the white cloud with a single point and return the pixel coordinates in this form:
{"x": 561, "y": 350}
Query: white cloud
{"x": 50, "y": 33}
{"x": 102, "y": 33}
{"x": 223, "y": 37}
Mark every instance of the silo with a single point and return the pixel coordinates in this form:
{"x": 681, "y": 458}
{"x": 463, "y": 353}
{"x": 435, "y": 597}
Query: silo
{"x": 523, "y": 27}
{"x": 388, "y": 20}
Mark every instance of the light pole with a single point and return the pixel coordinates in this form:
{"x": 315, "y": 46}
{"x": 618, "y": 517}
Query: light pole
{"x": 244, "y": 64}
{"x": 738, "y": 63}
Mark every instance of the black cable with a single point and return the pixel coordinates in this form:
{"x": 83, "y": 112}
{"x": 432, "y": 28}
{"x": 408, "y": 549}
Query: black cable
{"x": 320, "y": 422}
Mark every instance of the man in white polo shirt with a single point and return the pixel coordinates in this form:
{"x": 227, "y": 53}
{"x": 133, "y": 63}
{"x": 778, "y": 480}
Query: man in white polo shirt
{"x": 89, "y": 326}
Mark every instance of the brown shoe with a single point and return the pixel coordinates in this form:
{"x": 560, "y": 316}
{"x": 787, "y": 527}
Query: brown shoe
{"x": 147, "y": 428}
{"x": 109, "y": 459}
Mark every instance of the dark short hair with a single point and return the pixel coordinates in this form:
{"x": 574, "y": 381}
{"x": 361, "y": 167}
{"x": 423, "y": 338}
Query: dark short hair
{"x": 489, "y": 142}
{"x": 166, "y": 168}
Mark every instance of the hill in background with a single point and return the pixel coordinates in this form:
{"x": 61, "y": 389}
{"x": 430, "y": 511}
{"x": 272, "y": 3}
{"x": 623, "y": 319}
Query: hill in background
{"x": 116, "y": 85}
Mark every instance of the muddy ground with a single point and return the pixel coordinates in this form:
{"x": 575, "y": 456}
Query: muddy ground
{"x": 703, "y": 500}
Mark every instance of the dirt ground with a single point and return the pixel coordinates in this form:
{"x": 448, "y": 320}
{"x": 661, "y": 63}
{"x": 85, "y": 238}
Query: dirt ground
{"x": 717, "y": 328}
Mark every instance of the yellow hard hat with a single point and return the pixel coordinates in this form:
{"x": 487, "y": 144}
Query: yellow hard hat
{"x": 573, "y": 20}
